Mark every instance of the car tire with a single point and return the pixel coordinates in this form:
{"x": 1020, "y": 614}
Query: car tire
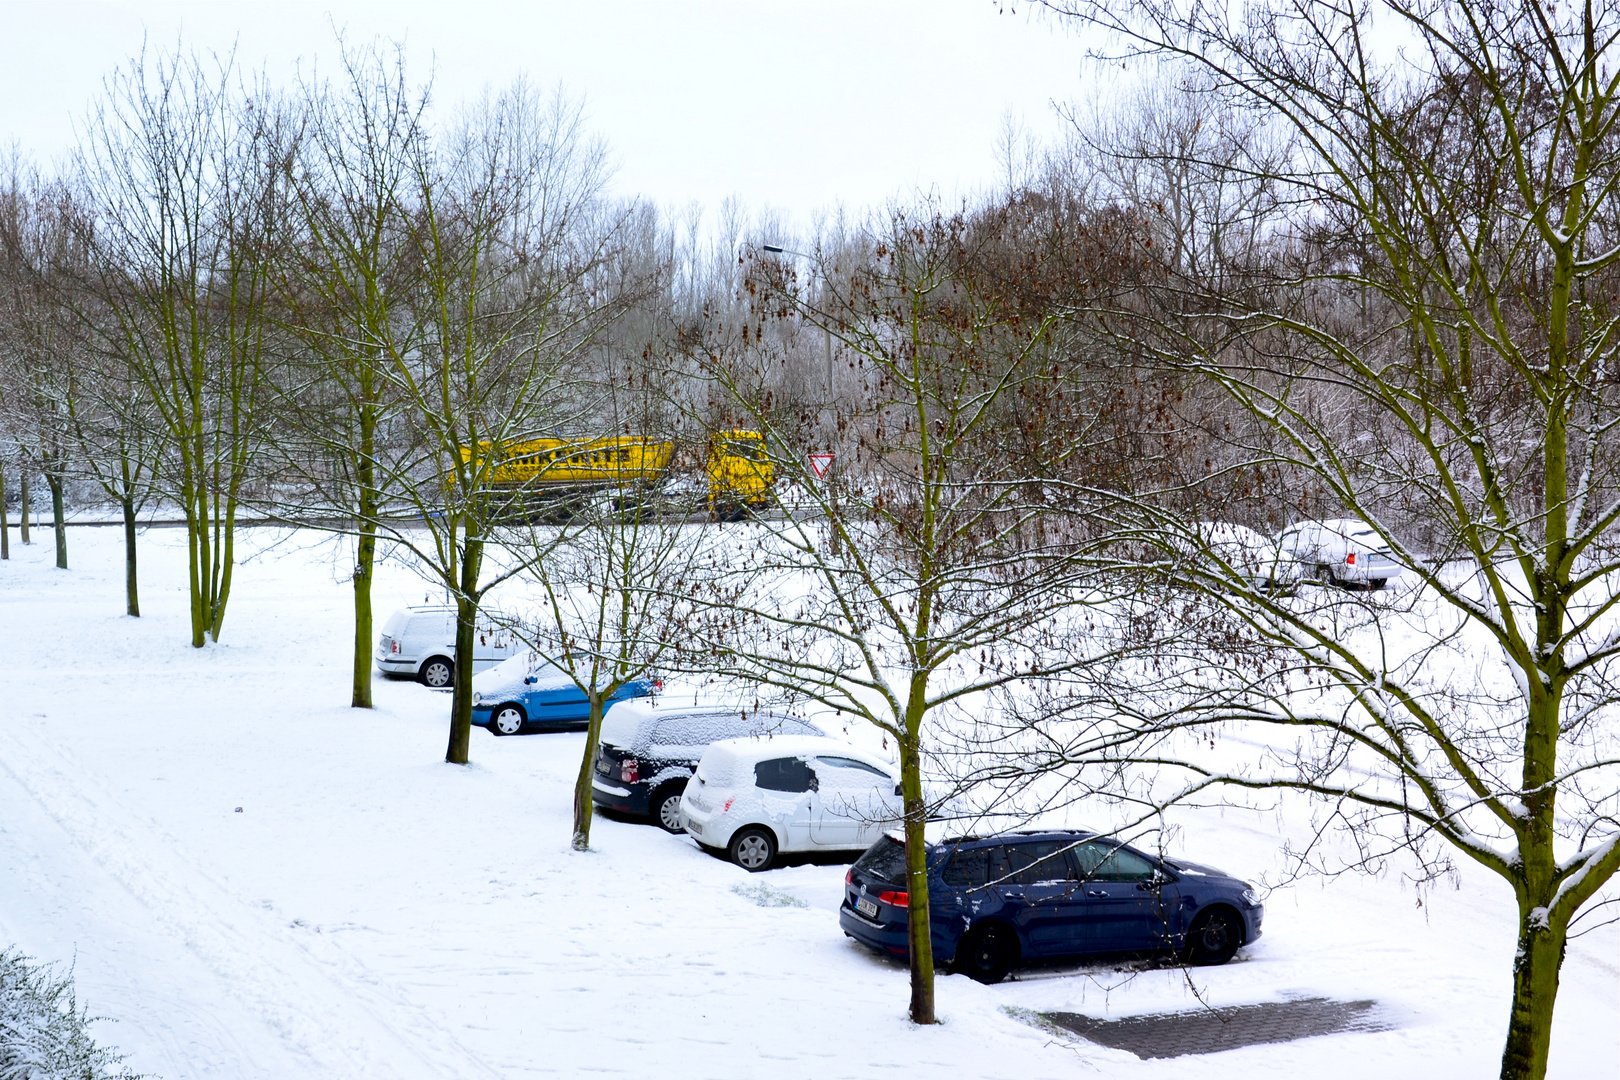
{"x": 666, "y": 808}
{"x": 1214, "y": 938}
{"x": 507, "y": 719}
{"x": 986, "y": 954}
{"x": 437, "y": 672}
{"x": 1377, "y": 583}
{"x": 753, "y": 849}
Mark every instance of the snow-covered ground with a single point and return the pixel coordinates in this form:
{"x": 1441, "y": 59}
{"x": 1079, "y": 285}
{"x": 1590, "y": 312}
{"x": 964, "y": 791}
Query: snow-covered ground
{"x": 373, "y": 912}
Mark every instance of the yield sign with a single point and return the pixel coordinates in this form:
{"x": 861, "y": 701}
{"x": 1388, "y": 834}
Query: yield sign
{"x": 819, "y": 464}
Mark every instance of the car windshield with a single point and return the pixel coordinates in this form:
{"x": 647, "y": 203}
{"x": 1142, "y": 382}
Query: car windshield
{"x": 884, "y": 860}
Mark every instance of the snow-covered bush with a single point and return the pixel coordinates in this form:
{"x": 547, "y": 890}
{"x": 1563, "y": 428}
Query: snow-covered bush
{"x": 44, "y": 1034}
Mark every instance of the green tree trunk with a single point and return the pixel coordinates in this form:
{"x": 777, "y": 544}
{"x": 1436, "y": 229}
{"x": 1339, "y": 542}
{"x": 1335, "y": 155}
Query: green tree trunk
{"x": 461, "y": 704}
{"x": 364, "y": 560}
{"x": 583, "y": 807}
{"x": 366, "y": 549}
{"x": 5, "y": 523}
{"x": 53, "y": 480}
{"x": 22, "y": 532}
{"x": 1535, "y": 988}
{"x": 131, "y": 594}
{"x": 920, "y": 939}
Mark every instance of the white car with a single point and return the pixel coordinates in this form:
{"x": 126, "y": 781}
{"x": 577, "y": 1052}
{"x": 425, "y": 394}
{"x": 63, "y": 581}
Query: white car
{"x": 420, "y": 643}
{"x": 754, "y": 798}
{"x": 1340, "y": 551}
{"x": 1256, "y": 559}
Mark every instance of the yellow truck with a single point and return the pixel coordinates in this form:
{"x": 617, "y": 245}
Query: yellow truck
{"x": 549, "y": 477}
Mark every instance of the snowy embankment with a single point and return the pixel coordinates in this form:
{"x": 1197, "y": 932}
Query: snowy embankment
{"x": 372, "y": 912}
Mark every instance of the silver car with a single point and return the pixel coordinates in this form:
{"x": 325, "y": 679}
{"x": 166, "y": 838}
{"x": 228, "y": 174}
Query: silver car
{"x": 420, "y": 643}
{"x": 1340, "y": 551}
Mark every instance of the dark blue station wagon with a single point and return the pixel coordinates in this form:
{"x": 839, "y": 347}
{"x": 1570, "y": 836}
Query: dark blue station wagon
{"x": 997, "y": 902}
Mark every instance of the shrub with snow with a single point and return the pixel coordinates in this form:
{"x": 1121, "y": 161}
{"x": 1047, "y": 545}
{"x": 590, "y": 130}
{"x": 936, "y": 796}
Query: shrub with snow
{"x": 44, "y": 1035}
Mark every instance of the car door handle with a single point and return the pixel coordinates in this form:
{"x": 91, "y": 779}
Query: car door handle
{"x": 1103, "y": 893}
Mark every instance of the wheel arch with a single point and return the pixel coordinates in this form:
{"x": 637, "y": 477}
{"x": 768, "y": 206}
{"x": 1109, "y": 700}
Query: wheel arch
{"x": 1220, "y": 905}
{"x": 994, "y": 922}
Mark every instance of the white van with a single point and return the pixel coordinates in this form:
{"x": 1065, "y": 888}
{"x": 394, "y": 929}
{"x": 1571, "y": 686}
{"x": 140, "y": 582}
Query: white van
{"x": 753, "y": 798}
{"x": 420, "y": 643}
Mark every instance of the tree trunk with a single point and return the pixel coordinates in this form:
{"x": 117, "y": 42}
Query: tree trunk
{"x": 366, "y": 550}
{"x": 364, "y": 558}
{"x": 5, "y": 524}
{"x": 131, "y": 595}
{"x": 22, "y": 533}
{"x": 583, "y": 807}
{"x": 461, "y": 704}
{"x": 1535, "y": 988}
{"x": 58, "y": 524}
{"x": 920, "y": 939}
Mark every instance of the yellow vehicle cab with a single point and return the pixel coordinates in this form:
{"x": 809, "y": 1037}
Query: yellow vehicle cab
{"x": 740, "y": 473}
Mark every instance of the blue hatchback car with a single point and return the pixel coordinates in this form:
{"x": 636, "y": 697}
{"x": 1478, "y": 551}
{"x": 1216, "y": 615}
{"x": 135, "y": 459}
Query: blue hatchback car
{"x": 528, "y": 692}
{"x": 1000, "y": 901}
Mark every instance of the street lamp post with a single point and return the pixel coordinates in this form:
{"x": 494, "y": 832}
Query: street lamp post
{"x": 826, "y": 337}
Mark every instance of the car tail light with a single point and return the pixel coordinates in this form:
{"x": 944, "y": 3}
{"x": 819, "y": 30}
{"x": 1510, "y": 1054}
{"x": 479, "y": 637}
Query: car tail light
{"x": 1350, "y": 559}
{"x": 393, "y": 646}
{"x": 629, "y": 770}
{"x": 898, "y": 899}
{"x": 849, "y": 876}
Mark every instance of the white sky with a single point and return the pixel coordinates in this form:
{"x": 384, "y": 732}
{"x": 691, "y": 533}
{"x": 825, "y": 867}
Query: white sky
{"x": 792, "y": 106}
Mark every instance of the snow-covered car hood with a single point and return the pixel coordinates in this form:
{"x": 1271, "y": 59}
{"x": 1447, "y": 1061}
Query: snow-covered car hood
{"x": 1182, "y": 866}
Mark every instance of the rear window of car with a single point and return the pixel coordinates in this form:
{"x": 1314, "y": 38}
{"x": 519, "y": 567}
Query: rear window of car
{"x": 698, "y": 730}
{"x": 974, "y": 866}
{"x": 782, "y": 774}
{"x": 884, "y": 860}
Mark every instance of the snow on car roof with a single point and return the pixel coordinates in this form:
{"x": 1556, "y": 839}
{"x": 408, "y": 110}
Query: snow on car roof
{"x": 744, "y": 751}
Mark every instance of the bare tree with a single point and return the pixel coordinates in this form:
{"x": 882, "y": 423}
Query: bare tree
{"x": 935, "y": 568}
{"x": 188, "y": 175}
{"x": 1448, "y": 275}
{"x": 510, "y": 237}
{"x": 42, "y": 377}
{"x": 343, "y": 293}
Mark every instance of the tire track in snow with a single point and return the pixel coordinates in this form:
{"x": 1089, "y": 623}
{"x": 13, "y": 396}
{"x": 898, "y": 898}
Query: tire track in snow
{"x": 326, "y": 1005}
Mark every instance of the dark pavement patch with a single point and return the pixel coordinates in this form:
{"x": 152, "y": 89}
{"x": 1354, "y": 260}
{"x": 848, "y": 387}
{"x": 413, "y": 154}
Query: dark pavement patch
{"x": 1209, "y": 1031}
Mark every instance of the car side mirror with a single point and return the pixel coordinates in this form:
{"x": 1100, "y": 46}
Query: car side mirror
{"x": 815, "y": 782}
{"x": 529, "y": 680}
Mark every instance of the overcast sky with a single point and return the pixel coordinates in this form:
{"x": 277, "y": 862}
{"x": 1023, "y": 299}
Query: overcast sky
{"x": 795, "y": 106}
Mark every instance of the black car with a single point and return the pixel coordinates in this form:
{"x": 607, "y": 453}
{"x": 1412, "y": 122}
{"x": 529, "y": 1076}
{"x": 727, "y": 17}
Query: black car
{"x": 996, "y": 902}
{"x": 647, "y": 753}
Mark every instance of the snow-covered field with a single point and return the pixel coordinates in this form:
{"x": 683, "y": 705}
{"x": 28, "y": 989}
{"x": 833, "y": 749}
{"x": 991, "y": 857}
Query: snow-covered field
{"x": 373, "y": 912}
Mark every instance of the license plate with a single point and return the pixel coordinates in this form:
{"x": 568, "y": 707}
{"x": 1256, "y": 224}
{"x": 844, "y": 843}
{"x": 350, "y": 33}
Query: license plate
{"x": 866, "y": 907}
{"x": 694, "y": 827}
{"x": 603, "y": 767}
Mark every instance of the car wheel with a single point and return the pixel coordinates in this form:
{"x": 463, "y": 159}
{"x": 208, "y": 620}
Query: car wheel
{"x": 666, "y": 808}
{"x": 1377, "y": 583}
{"x": 508, "y": 720}
{"x": 986, "y": 954}
{"x": 437, "y": 672}
{"x": 753, "y": 849}
{"x": 1214, "y": 938}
